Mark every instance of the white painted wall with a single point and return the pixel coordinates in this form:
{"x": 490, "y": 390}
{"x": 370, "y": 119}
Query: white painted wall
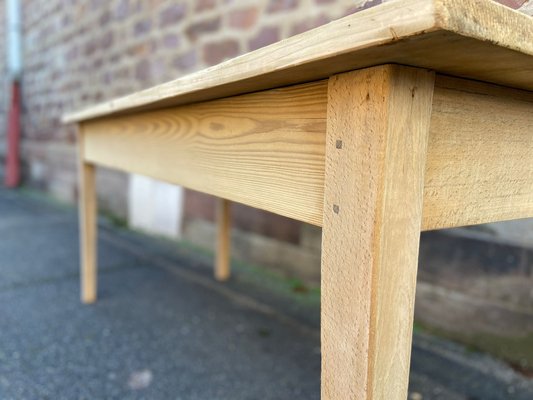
{"x": 154, "y": 206}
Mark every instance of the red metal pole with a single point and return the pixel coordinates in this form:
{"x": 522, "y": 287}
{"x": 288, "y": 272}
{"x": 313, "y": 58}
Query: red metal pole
{"x": 12, "y": 176}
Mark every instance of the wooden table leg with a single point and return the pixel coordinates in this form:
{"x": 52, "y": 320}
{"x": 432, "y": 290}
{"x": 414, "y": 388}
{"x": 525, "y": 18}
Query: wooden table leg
{"x": 88, "y": 227}
{"x": 378, "y": 123}
{"x": 223, "y": 246}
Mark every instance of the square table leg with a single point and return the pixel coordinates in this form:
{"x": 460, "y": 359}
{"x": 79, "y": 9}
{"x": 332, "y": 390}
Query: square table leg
{"x": 88, "y": 227}
{"x": 223, "y": 245}
{"x": 377, "y": 130}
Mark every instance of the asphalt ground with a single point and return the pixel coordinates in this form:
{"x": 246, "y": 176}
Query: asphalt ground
{"x": 163, "y": 329}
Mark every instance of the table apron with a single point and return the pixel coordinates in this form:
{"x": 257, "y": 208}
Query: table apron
{"x": 267, "y": 150}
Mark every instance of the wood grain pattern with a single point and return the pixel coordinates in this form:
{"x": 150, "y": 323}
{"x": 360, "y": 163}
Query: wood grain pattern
{"x": 264, "y": 149}
{"x": 267, "y": 150}
{"x": 378, "y": 124}
{"x": 88, "y": 226}
{"x": 470, "y": 38}
{"x": 480, "y": 155}
{"x": 223, "y": 245}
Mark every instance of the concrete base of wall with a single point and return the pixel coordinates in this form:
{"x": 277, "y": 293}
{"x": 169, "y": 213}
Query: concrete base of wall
{"x": 466, "y": 313}
{"x": 468, "y": 287}
{"x": 289, "y": 260}
{"x": 478, "y": 291}
{"x": 112, "y": 188}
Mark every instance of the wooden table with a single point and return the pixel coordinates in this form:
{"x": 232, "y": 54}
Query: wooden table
{"x": 409, "y": 116}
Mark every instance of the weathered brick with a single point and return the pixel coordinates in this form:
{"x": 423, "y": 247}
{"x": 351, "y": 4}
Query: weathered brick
{"x": 515, "y": 4}
{"x": 266, "y": 36}
{"x": 142, "y": 27}
{"x": 216, "y": 52}
{"x": 186, "y": 61}
{"x": 139, "y": 50}
{"x": 106, "y": 41}
{"x": 90, "y": 47}
{"x": 171, "y": 40}
{"x": 200, "y": 28}
{"x": 142, "y": 70}
{"x": 308, "y": 24}
{"x": 243, "y": 18}
{"x": 122, "y": 9}
{"x": 104, "y": 19}
{"x": 281, "y": 5}
{"x": 202, "y": 5}
{"x": 172, "y": 14}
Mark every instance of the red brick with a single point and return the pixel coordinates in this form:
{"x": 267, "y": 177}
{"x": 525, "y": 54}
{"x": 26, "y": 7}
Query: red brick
{"x": 262, "y": 222}
{"x": 159, "y": 70}
{"x": 105, "y": 18}
{"x": 281, "y": 5}
{"x": 186, "y": 61}
{"x": 202, "y": 5}
{"x": 142, "y": 27}
{"x": 139, "y": 50}
{"x": 216, "y": 52}
{"x": 308, "y": 24}
{"x": 199, "y": 205}
{"x": 266, "y": 36}
{"x": 142, "y": 70}
{"x": 515, "y": 4}
{"x": 200, "y": 28}
{"x": 243, "y": 18}
{"x": 171, "y": 40}
{"x": 172, "y": 15}
{"x": 122, "y": 9}
{"x": 106, "y": 41}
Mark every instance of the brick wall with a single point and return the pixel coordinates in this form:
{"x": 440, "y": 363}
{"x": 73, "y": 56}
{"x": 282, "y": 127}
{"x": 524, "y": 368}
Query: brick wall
{"x": 79, "y": 52}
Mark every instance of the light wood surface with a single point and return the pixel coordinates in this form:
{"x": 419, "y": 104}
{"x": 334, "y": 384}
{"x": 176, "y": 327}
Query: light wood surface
{"x": 88, "y": 225}
{"x": 259, "y": 149}
{"x": 223, "y": 245}
{"x": 480, "y": 155}
{"x": 477, "y": 39}
{"x": 378, "y": 124}
{"x": 264, "y": 148}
